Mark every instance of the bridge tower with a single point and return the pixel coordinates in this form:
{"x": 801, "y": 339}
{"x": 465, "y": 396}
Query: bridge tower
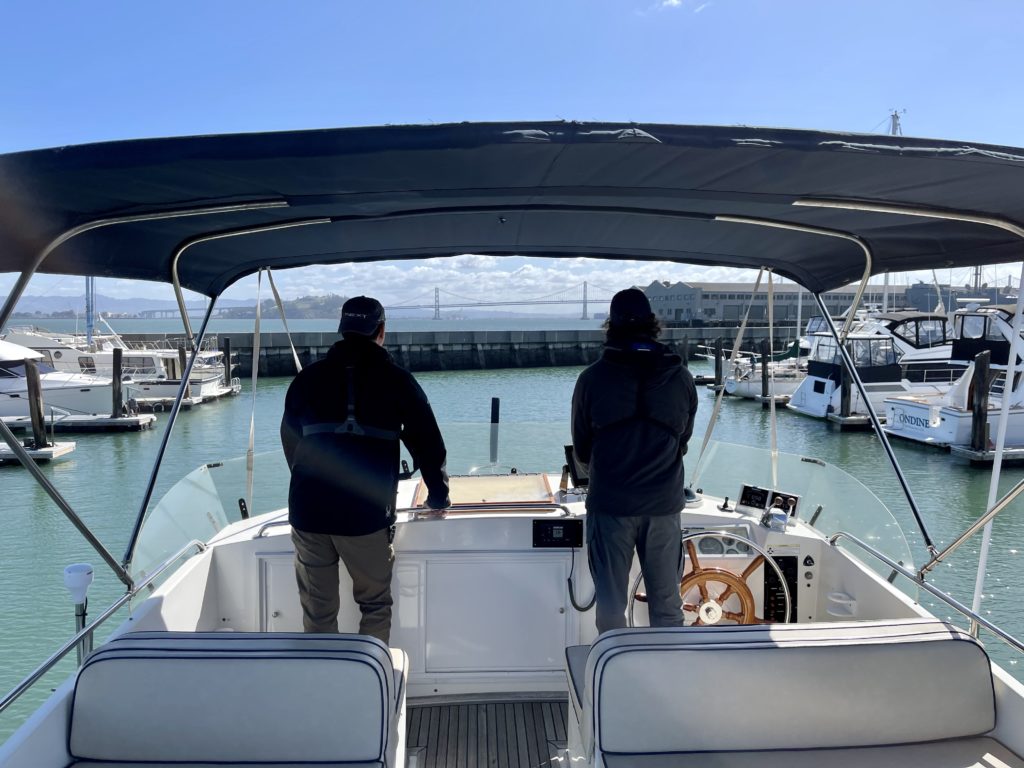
{"x": 584, "y": 301}
{"x": 437, "y": 303}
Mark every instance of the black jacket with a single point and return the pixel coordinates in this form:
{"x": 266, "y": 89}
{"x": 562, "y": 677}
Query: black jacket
{"x": 632, "y": 416}
{"x": 345, "y": 484}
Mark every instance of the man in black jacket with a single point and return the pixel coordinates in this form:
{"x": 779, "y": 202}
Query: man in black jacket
{"x": 343, "y": 418}
{"x": 632, "y": 416}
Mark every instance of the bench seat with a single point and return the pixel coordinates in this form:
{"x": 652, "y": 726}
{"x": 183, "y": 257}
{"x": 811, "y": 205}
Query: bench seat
{"x": 269, "y": 699}
{"x": 902, "y": 693}
{"x": 959, "y": 753}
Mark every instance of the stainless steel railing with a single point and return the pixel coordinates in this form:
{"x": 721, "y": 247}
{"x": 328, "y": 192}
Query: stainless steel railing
{"x": 86, "y": 633}
{"x": 957, "y": 606}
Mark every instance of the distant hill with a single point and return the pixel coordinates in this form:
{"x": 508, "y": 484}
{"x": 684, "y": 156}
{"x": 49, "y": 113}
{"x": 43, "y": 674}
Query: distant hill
{"x": 305, "y": 308}
{"x": 72, "y": 305}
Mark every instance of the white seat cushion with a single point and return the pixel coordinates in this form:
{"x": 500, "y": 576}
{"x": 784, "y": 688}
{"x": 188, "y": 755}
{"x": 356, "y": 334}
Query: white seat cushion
{"x": 235, "y": 697}
{"x": 760, "y": 688}
{"x": 960, "y": 753}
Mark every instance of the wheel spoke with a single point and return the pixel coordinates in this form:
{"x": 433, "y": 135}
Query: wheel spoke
{"x": 738, "y": 617}
{"x": 691, "y": 607}
{"x": 702, "y": 587}
{"x": 691, "y": 553}
{"x": 754, "y": 565}
{"x": 726, "y": 594}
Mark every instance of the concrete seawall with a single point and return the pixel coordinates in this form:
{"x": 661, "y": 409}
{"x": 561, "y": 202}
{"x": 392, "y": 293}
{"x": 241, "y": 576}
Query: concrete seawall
{"x": 464, "y": 350}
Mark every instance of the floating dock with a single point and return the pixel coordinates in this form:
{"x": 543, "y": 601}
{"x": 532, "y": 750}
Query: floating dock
{"x": 84, "y": 423}
{"x": 1012, "y": 454}
{"x": 853, "y": 422}
{"x": 767, "y": 401}
{"x": 41, "y": 455}
{"x": 162, "y": 404}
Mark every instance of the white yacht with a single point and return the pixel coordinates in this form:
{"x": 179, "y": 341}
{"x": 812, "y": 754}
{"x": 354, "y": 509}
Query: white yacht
{"x": 153, "y": 373}
{"x": 923, "y": 341}
{"x": 63, "y": 393}
{"x": 951, "y": 419}
{"x": 827, "y": 390}
{"x": 806, "y": 642}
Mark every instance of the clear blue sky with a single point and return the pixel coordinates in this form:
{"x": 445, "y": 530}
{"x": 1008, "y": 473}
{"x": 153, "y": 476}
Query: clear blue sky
{"x": 75, "y": 72}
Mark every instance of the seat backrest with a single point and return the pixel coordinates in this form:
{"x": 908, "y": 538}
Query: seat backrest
{"x": 236, "y": 697}
{"x": 845, "y": 684}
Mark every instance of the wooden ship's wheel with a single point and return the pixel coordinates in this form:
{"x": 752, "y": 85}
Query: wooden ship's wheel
{"x": 713, "y": 596}
{"x": 712, "y": 606}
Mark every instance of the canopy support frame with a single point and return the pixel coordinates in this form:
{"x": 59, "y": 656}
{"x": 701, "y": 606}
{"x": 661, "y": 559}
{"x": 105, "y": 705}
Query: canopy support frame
{"x": 1014, "y": 229}
{"x": 180, "y": 250}
{"x": 120, "y": 569}
{"x": 840, "y": 338}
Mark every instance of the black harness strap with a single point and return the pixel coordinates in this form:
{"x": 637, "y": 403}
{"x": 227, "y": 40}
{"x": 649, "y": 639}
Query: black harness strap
{"x": 351, "y": 425}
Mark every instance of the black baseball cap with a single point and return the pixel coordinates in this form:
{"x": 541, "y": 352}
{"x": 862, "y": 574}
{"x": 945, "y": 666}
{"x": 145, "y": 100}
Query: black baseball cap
{"x": 361, "y": 315}
{"x": 630, "y": 307}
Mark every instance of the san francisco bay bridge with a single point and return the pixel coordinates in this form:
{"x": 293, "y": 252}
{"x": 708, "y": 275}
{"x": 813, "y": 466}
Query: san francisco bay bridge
{"x": 584, "y": 295}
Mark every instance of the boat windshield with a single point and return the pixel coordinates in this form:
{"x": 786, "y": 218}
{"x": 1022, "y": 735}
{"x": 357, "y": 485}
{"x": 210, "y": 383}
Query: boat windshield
{"x": 831, "y": 500}
{"x": 207, "y": 499}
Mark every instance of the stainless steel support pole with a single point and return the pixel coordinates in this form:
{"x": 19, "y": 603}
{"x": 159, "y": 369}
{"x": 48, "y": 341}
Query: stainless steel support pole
{"x": 877, "y": 424}
{"x": 62, "y": 503}
{"x": 934, "y": 591}
{"x": 65, "y": 649}
{"x": 976, "y": 526}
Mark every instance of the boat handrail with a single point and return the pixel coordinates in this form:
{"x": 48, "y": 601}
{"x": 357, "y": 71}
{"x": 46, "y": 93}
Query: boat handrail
{"x": 509, "y": 507}
{"x": 933, "y": 591}
{"x": 271, "y": 524}
{"x": 506, "y": 507}
{"x": 86, "y": 632}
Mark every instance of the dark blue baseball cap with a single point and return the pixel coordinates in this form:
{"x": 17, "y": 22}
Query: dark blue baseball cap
{"x": 630, "y": 307}
{"x": 361, "y": 315}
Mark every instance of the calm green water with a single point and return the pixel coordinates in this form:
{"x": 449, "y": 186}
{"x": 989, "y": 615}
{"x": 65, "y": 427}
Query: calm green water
{"x": 104, "y": 482}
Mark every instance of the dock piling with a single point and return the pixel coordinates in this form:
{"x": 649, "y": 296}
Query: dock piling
{"x": 182, "y": 367}
{"x": 225, "y": 348}
{"x": 764, "y": 368}
{"x": 495, "y": 418}
{"x": 980, "y": 384}
{"x": 115, "y": 386}
{"x": 35, "y": 404}
{"x": 718, "y": 362}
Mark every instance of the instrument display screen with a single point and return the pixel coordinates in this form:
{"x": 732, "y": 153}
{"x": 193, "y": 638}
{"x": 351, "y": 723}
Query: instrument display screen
{"x": 754, "y": 497}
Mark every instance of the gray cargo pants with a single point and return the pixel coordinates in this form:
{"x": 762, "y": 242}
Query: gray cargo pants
{"x": 610, "y": 544}
{"x": 368, "y": 560}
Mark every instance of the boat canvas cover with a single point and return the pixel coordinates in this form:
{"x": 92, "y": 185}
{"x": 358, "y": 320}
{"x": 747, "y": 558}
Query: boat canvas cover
{"x": 556, "y": 189}
{"x": 15, "y": 352}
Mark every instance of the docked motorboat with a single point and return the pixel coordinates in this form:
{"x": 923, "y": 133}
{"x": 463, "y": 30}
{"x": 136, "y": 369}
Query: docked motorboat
{"x": 969, "y": 414}
{"x": 800, "y": 590}
{"x": 827, "y": 389}
{"x": 922, "y": 340}
{"x": 154, "y": 373}
{"x": 780, "y": 375}
{"x": 62, "y": 392}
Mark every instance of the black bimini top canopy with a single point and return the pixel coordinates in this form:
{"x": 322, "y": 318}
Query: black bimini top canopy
{"x": 648, "y": 192}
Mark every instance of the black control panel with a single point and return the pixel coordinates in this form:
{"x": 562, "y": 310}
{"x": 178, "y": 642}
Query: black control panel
{"x": 774, "y": 597}
{"x": 557, "y": 534}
